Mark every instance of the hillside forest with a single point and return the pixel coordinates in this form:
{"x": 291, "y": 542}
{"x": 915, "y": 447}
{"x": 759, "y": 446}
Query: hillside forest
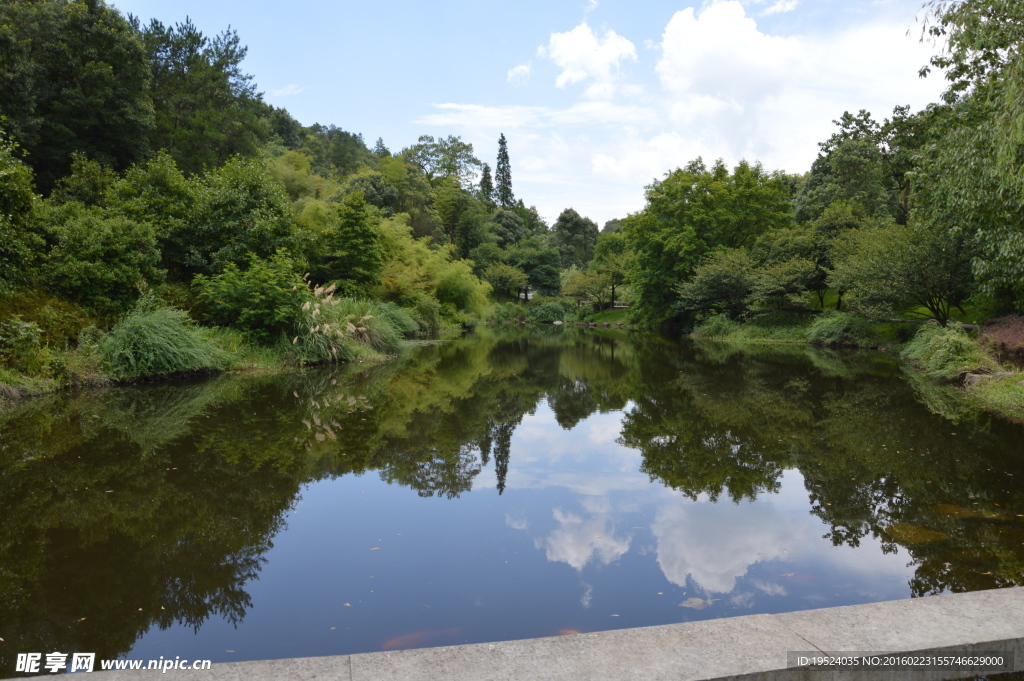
{"x": 157, "y": 216}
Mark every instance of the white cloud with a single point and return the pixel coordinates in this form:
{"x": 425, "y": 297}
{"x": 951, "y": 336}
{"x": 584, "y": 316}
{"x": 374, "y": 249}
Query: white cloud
{"x": 721, "y": 87}
{"x": 582, "y": 55}
{"x": 781, "y": 7}
{"x": 289, "y": 91}
{"x": 519, "y": 75}
{"x": 576, "y": 541}
{"x": 714, "y": 544}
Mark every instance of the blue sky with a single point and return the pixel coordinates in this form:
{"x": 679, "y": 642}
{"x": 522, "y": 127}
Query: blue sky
{"x": 596, "y": 97}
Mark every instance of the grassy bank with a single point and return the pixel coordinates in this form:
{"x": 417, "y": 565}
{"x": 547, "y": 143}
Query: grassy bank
{"x": 156, "y": 341}
{"x": 979, "y": 368}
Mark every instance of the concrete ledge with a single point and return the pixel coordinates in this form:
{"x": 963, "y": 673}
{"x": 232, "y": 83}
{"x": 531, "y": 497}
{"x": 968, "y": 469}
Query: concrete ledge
{"x": 754, "y": 647}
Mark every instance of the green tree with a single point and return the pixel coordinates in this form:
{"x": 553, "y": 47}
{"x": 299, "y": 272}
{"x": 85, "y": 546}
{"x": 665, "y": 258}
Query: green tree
{"x": 156, "y": 192}
{"x": 503, "y": 176}
{"x": 17, "y": 242}
{"x": 575, "y": 237}
{"x": 350, "y": 252}
{"x": 507, "y": 227}
{"x": 613, "y": 258}
{"x": 446, "y": 157}
{"x": 486, "y": 190}
{"x": 104, "y": 262}
{"x": 504, "y": 277}
{"x": 240, "y": 210}
{"x": 721, "y": 283}
{"x": 894, "y": 269}
{"x": 264, "y": 300}
{"x": 73, "y": 77}
{"x": 689, "y": 213}
{"x": 207, "y": 109}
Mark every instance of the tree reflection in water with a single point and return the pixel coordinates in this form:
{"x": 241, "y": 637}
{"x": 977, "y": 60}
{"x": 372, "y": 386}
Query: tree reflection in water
{"x": 153, "y": 506}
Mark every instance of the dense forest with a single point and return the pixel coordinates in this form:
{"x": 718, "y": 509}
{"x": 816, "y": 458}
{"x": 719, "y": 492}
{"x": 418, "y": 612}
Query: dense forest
{"x": 157, "y": 216}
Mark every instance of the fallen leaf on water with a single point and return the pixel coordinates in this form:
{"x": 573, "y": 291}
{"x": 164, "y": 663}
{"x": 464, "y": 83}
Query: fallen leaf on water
{"x": 568, "y": 632}
{"x": 375, "y": 548}
{"x": 787, "y": 574}
{"x": 229, "y": 651}
{"x": 614, "y": 615}
{"x": 81, "y": 620}
{"x": 641, "y": 527}
{"x": 334, "y": 627}
{"x": 694, "y": 603}
{"x": 347, "y": 605}
{"x": 420, "y": 639}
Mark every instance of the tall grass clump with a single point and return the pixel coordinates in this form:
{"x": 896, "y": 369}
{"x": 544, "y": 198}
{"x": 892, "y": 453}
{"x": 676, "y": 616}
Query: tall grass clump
{"x": 331, "y": 329}
{"x": 154, "y": 339}
{"x": 716, "y": 326}
{"x": 840, "y": 328}
{"x": 947, "y": 353}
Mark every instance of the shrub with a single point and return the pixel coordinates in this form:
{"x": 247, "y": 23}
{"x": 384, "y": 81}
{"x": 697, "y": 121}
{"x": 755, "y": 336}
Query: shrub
{"x": 947, "y": 353}
{"x": 547, "y": 312}
{"x": 20, "y": 347}
{"x": 840, "y": 328}
{"x": 154, "y": 339}
{"x": 263, "y": 300}
{"x": 59, "y": 321}
{"x": 103, "y": 263}
{"x": 716, "y": 326}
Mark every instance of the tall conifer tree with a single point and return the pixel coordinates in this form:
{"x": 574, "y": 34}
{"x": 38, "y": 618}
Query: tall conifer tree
{"x": 486, "y": 185}
{"x": 503, "y": 177}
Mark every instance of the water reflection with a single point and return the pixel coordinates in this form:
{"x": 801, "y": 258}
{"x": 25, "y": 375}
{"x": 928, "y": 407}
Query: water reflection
{"x": 559, "y": 479}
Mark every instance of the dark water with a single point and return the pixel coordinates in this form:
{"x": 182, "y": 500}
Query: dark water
{"x": 506, "y": 485}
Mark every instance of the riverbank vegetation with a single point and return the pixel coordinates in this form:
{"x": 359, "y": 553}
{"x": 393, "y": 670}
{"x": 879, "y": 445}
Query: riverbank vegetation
{"x": 157, "y": 217}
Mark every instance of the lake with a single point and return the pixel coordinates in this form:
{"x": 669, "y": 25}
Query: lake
{"x": 509, "y": 484}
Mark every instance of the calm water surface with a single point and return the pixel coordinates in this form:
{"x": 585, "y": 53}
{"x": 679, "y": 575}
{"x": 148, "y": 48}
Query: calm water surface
{"x": 506, "y": 485}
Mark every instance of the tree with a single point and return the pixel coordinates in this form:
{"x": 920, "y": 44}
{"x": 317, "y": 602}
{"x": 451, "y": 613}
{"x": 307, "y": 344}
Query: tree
{"x": 349, "y": 254}
{"x": 575, "y": 237}
{"x": 613, "y": 258}
{"x": 540, "y": 263}
{"x": 504, "y": 277}
{"x": 503, "y": 176}
{"x": 17, "y": 200}
{"x": 507, "y": 227}
{"x": 486, "y": 190}
{"x": 207, "y": 109}
{"x": 239, "y": 210}
{"x": 894, "y": 269}
{"x": 104, "y": 262}
{"x": 445, "y": 157}
{"x": 691, "y": 212}
{"x": 379, "y": 150}
{"x": 73, "y": 77}
{"x": 721, "y": 283}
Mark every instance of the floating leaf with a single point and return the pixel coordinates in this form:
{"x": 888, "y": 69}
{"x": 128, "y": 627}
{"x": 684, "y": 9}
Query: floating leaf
{"x": 375, "y": 548}
{"x": 695, "y": 603}
{"x": 347, "y": 605}
{"x": 569, "y": 632}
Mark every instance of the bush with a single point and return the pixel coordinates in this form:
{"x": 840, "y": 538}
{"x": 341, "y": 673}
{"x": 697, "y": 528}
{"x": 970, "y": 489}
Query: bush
{"x": 508, "y": 312}
{"x": 716, "y": 326}
{"x": 840, "y": 328}
{"x": 947, "y": 353}
{"x": 59, "y": 321}
{"x": 154, "y": 339}
{"x": 20, "y": 347}
{"x": 547, "y": 312}
{"x": 263, "y": 300}
{"x": 103, "y": 263}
